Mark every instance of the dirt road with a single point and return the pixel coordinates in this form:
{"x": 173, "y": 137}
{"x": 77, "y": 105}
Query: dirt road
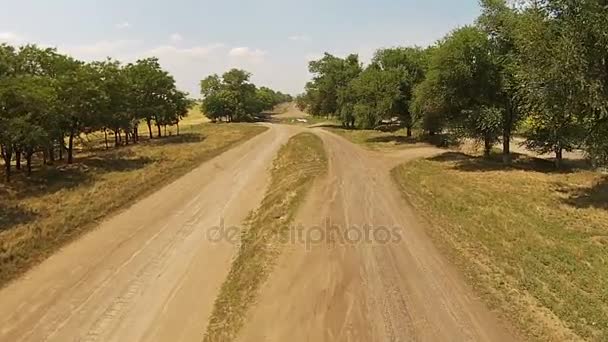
{"x": 401, "y": 290}
{"x": 149, "y": 273}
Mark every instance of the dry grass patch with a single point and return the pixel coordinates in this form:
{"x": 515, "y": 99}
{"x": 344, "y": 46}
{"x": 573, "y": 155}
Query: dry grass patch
{"x": 297, "y": 165}
{"x": 41, "y": 213}
{"x": 532, "y": 240}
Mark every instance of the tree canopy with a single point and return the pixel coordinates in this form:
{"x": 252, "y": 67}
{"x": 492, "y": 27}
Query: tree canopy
{"x": 232, "y": 97}
{"x": 48, "y": 99}
{"x": 539, "y": 67}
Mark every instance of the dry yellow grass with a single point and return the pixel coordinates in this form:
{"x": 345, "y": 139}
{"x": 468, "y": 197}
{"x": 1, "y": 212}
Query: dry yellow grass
{"x": 297, "y": 165}
{"x": 533, "y": 241}
{"x": 57, "y": 204}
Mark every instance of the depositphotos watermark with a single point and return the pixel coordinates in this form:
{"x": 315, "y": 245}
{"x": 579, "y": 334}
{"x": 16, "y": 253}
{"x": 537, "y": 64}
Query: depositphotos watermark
{"x": 308, "y": 236}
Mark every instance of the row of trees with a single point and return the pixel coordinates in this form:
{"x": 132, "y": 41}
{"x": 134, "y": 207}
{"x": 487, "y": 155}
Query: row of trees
{"x": 232, "y": 97}
{"x": 540, "y": 66}
{"x": 47, "y": 100}
{"x": 361, "y": 97}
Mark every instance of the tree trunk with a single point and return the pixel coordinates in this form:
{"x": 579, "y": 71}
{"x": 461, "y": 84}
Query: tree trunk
{"x": 8, "y": 156}
{"x": 71, "y": 147}
{"x": 135, "y": 135}
{"x": 105, "y": 134}
{"x": 165, "y": 130}
{"x": 506, "y": 146}
{"x": 409, "y": 131}
{"x": 51, "y": 154}
{"x": 61, "y": 149}
{"x": 17, "y": 159}
{"x": 158, "y": 127}
{"x": 28, "y": 159}
{"x": 127, "y": 137}
{"x": 149, "y": 123}
{"x": 506, "y": 135}
{"x": 487, "y": 147}
{"x": 177, "y": 125}
{"x": 558, "y": 157}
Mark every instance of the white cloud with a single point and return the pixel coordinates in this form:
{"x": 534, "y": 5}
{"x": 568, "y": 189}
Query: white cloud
{"x": 247, "y": 54}
{"x": 191, "y": 52}
{"x": 123, "y": 25}
{"x": 10, "y": 37}
{"x": 300, "y": 38}
{"x": 176, "y": 37}
{"x": 119, "y": 49}
{"x": 188, "y": 64}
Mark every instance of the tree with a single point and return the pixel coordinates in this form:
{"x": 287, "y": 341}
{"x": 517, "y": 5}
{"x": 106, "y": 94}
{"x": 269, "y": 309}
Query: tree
{"x": 331, "y": 77}
{"x": 26, "y": 95}
{"x": 116, "y": 112}
{"x": 47, "y": 98}
{"x": 552, "y": 61}
{"x": 563, "y": 70}
{"x": 375, "y": 92}
{"x": 463, "y": 83}
{"x": 409, "y": 66}
{"x": 500, "y": 23}
{"x": 81, "y": 99}
{"x": 151, "y": 87}
{"x": 234, "y": 98}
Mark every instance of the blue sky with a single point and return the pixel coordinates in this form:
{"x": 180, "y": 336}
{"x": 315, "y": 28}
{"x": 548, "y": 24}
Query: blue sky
{"x": 273, "y": 39}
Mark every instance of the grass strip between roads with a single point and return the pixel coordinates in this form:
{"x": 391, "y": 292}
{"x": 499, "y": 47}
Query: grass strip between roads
{"x": 40, "y": 214}
{"x": 532, "y": 241}
{"x": 295, "y": 168}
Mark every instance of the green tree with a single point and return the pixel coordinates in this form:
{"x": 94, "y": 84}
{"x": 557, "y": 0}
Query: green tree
{"x": 234, "y": 98}
{"x": 151, "y": 89}
{"x": 81, "y": 99}
{"x": 409, "y": 66}
{"x": 116, "y": 112}
{"x": 552, "y": 61}
{"x": 375, "y": 93}
{"x": 331, "y": 77}
{"x": 500, "y": 22}
{"x": 463, "y": 82}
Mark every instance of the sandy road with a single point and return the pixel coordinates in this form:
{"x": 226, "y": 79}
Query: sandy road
{"x": 404, "y": 290}
{"x": 149, "y": 273}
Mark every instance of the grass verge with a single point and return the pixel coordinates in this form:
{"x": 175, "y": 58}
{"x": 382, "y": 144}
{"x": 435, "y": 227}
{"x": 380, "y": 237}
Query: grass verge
{"x": 56, "y": 204}
{"x": 295, "y": 168}
{"x": 533, "y": 241}
{"x": 390, "y": 138}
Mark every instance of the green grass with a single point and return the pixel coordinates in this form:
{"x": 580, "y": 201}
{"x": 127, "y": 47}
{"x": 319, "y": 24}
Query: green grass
{"x": 381, "y": 140}
{"x": 297, "y": 165}
{"x": 56, "y": 204}
{"x": 533, "y": 241}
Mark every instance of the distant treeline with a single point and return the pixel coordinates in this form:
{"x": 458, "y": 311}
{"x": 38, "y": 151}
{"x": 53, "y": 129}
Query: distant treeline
{"x": 232, "y": 97}
{"x": 48, "y": 99}
{"x": 539, "y": 67}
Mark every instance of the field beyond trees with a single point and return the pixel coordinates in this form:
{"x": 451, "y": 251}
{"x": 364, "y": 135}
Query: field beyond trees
{"x": 532, "y": 241}
{"x": 56, "y": 204}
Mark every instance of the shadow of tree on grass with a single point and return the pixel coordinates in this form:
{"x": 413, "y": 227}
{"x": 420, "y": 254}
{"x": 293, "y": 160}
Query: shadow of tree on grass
{"x": 466, "y": 162}
{"x": 116, "y": 163}
{"x": 595, "y": 196}
{"x": 12, "y": 215}
{"x": 183, "y": 138}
